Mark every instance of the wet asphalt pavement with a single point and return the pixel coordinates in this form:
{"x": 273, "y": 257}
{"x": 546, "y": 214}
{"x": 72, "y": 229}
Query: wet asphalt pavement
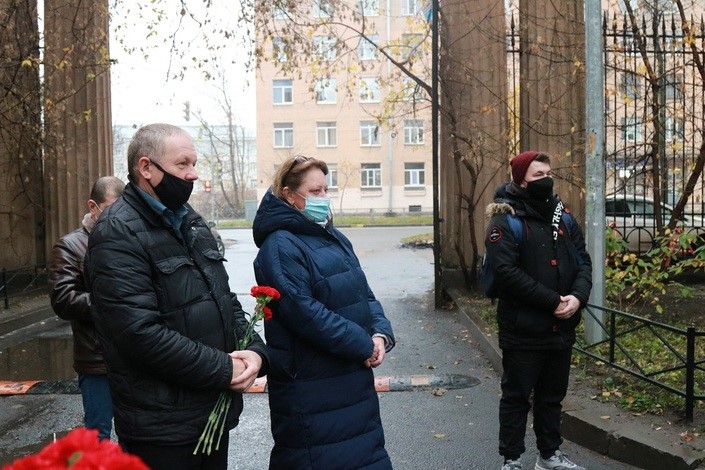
{"x": 426, "y": 428}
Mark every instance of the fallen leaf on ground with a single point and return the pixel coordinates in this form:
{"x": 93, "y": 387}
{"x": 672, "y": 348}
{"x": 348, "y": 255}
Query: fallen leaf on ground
{"x": 439, "y": 392}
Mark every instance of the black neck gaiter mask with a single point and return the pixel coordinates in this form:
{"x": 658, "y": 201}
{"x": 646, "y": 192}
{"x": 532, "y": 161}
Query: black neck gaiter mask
{"x": 173, "y": 192}
{"x": 541, "y": 194}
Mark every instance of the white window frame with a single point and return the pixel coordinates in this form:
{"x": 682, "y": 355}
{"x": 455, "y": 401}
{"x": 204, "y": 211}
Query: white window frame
{"x": 321, "y": 8}
{"x": 327, "y": 134}
{"x": 631, "y": 129}
{"x": 368, "y": 7}
{"x": 283, "y": 135}
{"x": 370, "y": 175}
{"x": 410, "y": 44}
{"x": 282, "y": 92}
{"x": 326, "y": 92}
{"x": 413, "y": 132}
{"x": 325, "y": 47}
{"x": 412, "y": 92}
{"x": 410, "y": 7}
{"x": 279, "y": 50}
{"x": 369, "y": 134}
{"x": 332, "y": 176}
{"x": 414, "y": 175}
{"x": 367, "y": 50}
{"x": 370, "y": 90}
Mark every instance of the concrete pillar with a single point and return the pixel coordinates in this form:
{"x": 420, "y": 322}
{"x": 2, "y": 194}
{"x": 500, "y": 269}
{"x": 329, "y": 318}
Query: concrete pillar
{"x": 21, "y": 223}
{"x": 552, "y": 90}
{"x": 78, "y": 143}
{"x": 474, "y": 155}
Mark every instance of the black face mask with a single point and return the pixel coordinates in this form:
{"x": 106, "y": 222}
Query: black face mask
{"x": 173, "y": 192}
{"x": 540, "y": 189}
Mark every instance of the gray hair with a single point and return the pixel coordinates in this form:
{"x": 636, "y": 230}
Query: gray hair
{"x": 148, "y": 142}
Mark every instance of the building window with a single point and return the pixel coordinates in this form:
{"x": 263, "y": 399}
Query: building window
{"x": 370, "y": 91}
{"x": 412, "y": 92}
{"x": 322, "y": 9}
{"x": 369, "y": 7}
{"x": 369, "y": 134}
{"x": 413, "y": 132}
{"x": 366, "y": 48}
{"x": 325, "y": 91}
{"x": 284, "y": 134}
{"x": 280, "y": 12}
{"x": 674, "y": 86}
{"x": 279, "y": 50}
{"x": 410, "y": 7}
{"x": 631, "y": 129}
{"x": 283, "y": 91}
{"x": 325, "y": 47}
{"x": 410, "y": 45}
{"x": 414, "y": 175}
{"x": 332, "y": 176}
{"x": 371, "y": 175}
{"x": 674, "y": 128}
{"x": 631, "y": 84}
{"x": 327, "y": 134}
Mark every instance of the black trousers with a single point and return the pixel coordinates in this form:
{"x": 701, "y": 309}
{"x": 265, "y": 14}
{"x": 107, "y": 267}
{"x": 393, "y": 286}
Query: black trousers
{"x": 545, "y": 373}
{"x": 159, "y": 457}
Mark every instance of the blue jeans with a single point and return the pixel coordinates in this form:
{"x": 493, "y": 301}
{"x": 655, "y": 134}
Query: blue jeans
{"x": 97, "y": 404}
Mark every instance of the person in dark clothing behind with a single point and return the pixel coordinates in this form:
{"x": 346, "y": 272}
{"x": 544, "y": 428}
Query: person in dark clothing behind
{"x": 326, "y": 333}
{"x": 544, "y": 279}
{"x": 71, "y": 301}
{"x": 163, "y": 309}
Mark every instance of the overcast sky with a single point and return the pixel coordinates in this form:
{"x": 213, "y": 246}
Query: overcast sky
{"x": 143, "y": 92}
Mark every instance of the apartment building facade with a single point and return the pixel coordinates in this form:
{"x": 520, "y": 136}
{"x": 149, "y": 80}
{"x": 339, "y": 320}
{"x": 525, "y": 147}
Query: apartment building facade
{"x": 346, "y": 105}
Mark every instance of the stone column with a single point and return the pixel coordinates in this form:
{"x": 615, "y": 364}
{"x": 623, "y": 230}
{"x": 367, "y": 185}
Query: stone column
{"x": 21, "y": 215}
{"x": 552, "y": 90}
{"x": 78, "y": 143}
{"x": 474, "y": 155}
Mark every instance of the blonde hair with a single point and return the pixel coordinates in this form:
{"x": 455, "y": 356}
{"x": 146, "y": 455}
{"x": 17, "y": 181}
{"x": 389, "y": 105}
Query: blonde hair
{"x": 291, "y": 173}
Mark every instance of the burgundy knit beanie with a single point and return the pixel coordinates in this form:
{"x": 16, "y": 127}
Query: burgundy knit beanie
{"x": 520, "y": 165}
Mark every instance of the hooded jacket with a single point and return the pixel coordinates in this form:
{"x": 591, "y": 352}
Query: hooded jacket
{"x": 531, "y": 274}
{"x": 323, "y": 403}
{"x": 166, "y": 320}
{"x": 70, "y": 299}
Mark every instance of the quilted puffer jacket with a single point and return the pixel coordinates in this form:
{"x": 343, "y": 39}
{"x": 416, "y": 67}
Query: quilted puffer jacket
{"x": 532, "y": 273}
{"x": 166, "y": 320}
{"x": 322, "y": 398}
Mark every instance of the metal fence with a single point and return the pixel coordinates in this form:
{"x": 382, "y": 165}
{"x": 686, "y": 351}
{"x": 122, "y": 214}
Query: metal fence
{"x": 22, "y": 281}
{"x": 654, "y": 121}
{"x": 679, "y": 353}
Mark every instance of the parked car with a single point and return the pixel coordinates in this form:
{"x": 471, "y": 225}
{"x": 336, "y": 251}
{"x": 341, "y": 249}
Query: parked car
{"x": 218, "y": 238}
{"x": 633, "y": 218}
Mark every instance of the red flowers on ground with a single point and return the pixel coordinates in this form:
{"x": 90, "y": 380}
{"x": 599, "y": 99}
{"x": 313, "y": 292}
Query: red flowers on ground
{"x": 80, "y": 449}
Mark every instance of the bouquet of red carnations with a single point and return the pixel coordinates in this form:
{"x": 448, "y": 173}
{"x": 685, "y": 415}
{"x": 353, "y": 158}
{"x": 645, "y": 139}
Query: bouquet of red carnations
{"x": 216, "y": 419}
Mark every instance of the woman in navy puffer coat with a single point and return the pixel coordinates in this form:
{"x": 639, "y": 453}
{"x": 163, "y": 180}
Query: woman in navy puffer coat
{"x": 326, "y": 334}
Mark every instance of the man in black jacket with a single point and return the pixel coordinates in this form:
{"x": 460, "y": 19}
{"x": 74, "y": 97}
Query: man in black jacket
{"x": 543, "y": 279}
{"x": 71, "y": 301}
{"x": 165, "y": 315}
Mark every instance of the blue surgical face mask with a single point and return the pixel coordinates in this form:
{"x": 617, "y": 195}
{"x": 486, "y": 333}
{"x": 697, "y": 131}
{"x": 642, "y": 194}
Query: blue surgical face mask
{"x": 316, "y": 208}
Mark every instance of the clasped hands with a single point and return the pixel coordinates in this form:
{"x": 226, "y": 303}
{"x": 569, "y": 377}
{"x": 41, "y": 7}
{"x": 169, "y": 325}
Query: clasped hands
{"x": 377, "y": 353}
{"x": 568, "y": 305}
{"x": 246, "y": 366}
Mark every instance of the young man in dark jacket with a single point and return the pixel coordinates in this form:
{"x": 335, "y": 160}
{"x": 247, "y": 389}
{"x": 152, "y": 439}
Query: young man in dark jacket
{"x": 71, "y": 301}
{"x": 544, "y": 279}
{"x": 164, "y": 312}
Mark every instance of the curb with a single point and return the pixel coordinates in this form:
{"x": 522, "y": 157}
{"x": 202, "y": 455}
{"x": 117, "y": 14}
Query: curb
{"x": 385, "y": 383}
{"x": 583, "y": 426}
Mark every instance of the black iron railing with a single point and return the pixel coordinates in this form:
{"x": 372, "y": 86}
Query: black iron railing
{"x": 678, "y": 367}
{"x": 22, "y": 281}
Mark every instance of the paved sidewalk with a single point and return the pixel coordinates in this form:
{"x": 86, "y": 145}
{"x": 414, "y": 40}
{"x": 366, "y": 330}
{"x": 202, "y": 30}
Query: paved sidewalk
{"x": 586, "y": 422}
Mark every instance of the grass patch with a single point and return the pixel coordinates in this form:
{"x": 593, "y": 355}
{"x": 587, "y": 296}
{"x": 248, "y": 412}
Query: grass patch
{"x": 350, "y": 221}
